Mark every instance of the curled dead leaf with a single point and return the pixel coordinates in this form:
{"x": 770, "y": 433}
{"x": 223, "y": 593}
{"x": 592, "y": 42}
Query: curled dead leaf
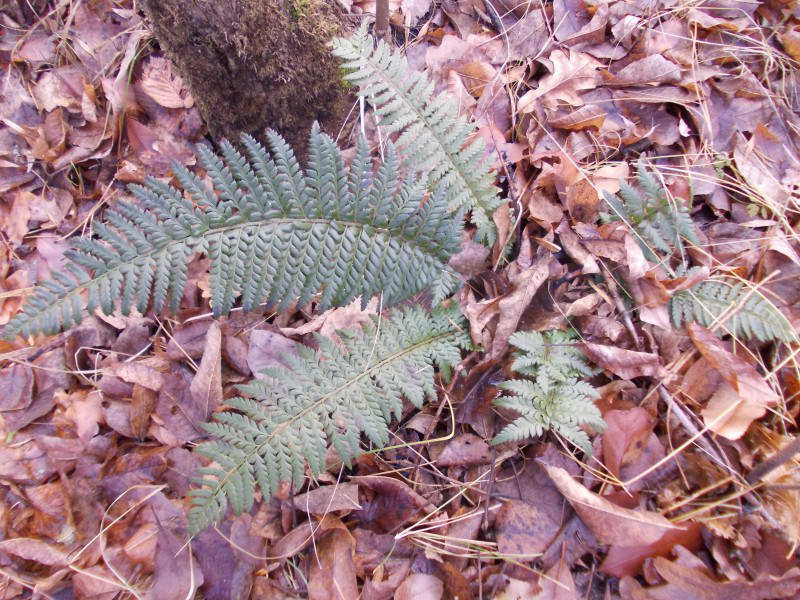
{"x": 611, "y": 524}
{"x": 626, "y": 364}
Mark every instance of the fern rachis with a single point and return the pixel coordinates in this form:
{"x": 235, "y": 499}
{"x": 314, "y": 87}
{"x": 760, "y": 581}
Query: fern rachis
{"x": 335, "y": 394}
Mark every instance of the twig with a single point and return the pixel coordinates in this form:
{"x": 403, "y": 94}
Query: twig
{"x": 382, "y": 20}
{"x": 765, "y": 467}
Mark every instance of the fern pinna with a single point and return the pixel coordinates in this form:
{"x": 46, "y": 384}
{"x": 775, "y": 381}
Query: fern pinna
{"x": 742, "y": 311}
{"x": 334, "y": 394}
{"x": 274, "y": 235}
{"x": 433, "y": 137}
{"x": 656, "y": 220}
{"x": 551, "y": 394}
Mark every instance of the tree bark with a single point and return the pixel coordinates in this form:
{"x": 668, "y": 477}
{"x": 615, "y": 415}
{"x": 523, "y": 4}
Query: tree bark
{"x": 256, "y": 64}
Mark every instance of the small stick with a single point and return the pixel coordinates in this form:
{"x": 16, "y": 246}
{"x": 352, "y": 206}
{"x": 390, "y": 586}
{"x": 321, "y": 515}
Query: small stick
{"x": 382, "y": 20}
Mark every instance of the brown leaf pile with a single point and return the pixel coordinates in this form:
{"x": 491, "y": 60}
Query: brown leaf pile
{"x": 692, "y": 490}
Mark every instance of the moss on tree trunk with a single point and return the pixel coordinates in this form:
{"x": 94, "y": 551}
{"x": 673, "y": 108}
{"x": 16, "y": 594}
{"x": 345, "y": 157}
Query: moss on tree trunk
{"x": 254, "y": 64}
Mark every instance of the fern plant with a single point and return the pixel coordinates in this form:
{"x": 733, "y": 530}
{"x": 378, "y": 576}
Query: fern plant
{"x": 335, "y": 395}
{"x": 433, "y": 137}
{"x": 551, "y": 395}
{"x": 657, "y": 221}
{"x": 744, "y": 313}
{"x": 274, "y": 235}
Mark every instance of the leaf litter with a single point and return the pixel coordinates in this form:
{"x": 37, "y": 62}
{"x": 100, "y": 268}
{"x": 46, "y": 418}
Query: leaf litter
{"x": 691, "y": 490}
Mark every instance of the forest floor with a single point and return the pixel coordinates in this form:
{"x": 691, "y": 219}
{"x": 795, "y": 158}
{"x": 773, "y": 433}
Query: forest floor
{"x": 692, "y": 490}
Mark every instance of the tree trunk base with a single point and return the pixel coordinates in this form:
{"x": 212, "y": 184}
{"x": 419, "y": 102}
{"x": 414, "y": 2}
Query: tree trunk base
{"x": 256, "y": 64}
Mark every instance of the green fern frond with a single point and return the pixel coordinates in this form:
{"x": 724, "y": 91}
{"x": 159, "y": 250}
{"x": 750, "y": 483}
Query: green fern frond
{"x": 657, "y": 221}
{"x": 433, "y": 137}
{"x": 336, "y": 394}
{"x": 743, "y": 312}
{"x": 274, "y": 234}
{"x": 552, "y": 395}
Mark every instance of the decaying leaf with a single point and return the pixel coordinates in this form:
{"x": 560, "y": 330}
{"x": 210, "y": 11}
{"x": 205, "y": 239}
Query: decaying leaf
{"x": 610, "y": 523}
{"x": 742, "y": 397}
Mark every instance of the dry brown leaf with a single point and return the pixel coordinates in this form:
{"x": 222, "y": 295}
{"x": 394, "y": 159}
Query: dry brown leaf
{"x": 465, "y": 450}
{"x": 136, "y": 372}
{"x": 628, "y": 560}
{"x": 686, "y": 582}
{"x": 525, "y": 528}
{"x": 651, "y": 70}
{"x": 571, "y": 72}
{"x": 791, "y": 42}
{"x": 268, "y": 350}
{"x": 328, "y": 498}
{"x": 15, "y": 224}
{"x": 757, "y": 173}
{"x": 609, "y": 522}
{"x": 742, "y": 397}
{"x": 388, "y": 503}
{"x": 177, "y": 575}
{"x": 206, "y": 386}
{"x": 162, "y": 85}
{"x": 625, "y": 364}
{"x": 575, "y": 249}
{"x": 626, "y": 433}
{"x": 328, "y": 323}
{"x": 511, "y": 306}
{"x": 558, "y": 583}
{"x": 332, "y": 575}
{"x": 143, "y": 404}
{"x": 37, "y": 551}
{"x": 420, "y": 586}
{"x": 530, "y": 36}
{"x": 86, "y": 411}
{"x": 585, "y": 117}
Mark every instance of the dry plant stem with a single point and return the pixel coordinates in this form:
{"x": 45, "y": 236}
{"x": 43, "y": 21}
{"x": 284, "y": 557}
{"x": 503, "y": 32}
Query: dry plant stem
{"x": 765, "y": 467}
{"x": 677, "y": 409}
{"x": 620, "y": 306}
{"x": 382, "y": 20}
{"x": 681, "y": 415}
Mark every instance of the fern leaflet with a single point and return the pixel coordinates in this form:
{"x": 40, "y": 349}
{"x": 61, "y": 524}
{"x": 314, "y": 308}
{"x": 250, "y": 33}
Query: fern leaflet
{"x": 274, "y": 234}
{"x": 433, "y": 137}
{"x": 335, "y": 394}
{"x": 551, "y": 396}
{"x": 657, "y": 221}
{"x": 745, "y": 313}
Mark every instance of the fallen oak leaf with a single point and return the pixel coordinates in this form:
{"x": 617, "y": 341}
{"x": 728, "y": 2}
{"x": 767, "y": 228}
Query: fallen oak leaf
{"x": 572, "y": 71}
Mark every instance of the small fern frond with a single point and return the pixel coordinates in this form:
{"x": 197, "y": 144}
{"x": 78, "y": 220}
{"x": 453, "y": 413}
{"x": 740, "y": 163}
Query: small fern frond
{"x": 274, "y": 234}
{"x": 336, "y": 394}
{"x": 551, "y": 396}
{"x": 657, "y": 221}
{"x": 433, "y": 138}
{"x": 744, "y": 312}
